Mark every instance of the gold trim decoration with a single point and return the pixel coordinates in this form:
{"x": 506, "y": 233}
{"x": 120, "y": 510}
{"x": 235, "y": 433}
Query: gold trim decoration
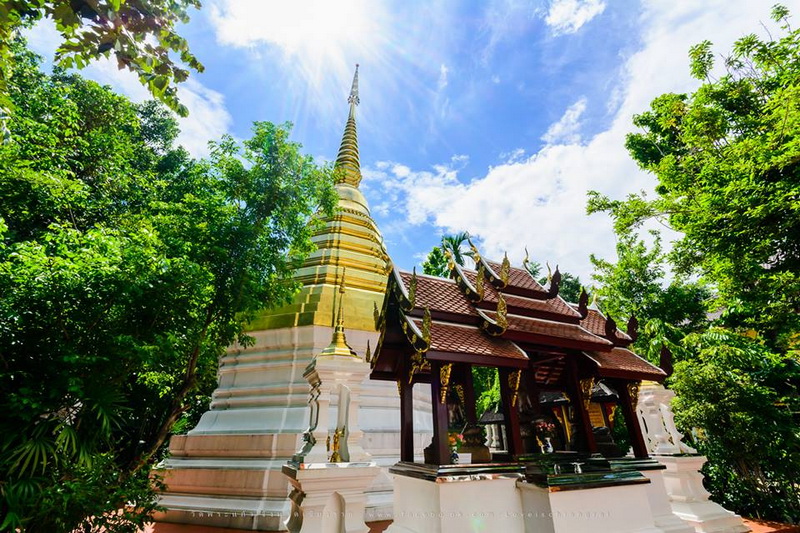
{"x": 426, "y": 327}
{"x": 587, "y": 384}
{"x": 412, "y": 290}
{"x": 444, "y": 380}
{"x": 502, "y": 313}
{"x": 451, "y": 264}
{"x": 368, "y": 354}
{"x": 377, "y": 349}
{"x": 633, "y": 393}
{"x": 399, "y": 388}
{"x": 513, "y": 384}
{"x": 336, "y": 456}
{"x": 505, "y": 270}
{"x": 476, "y": 255}
{"x": 479, "y": 288}
{"x": 460, "y": 392}
{"x": 418, "y": 363}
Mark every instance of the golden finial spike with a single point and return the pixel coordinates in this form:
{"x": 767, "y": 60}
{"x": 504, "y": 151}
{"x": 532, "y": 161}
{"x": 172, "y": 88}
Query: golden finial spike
{"x": 549, "y": 271}
{"x": 527, "y": 257}
{"x": 338, "y": 345}
{"x": 348, "y": 167}
{"x": 368, "y": 354}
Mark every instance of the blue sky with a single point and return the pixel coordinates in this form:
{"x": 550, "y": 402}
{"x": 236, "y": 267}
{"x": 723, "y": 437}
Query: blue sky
{"x": 492, "y": 117}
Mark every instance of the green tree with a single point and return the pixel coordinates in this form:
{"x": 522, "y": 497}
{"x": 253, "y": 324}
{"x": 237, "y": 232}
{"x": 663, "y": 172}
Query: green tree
{"x": 125, "y": 270}
{"x": 635, "y": 286}
{"x": 455, "y": 245}
{"x": 139, "y": 34}
{"x": 435, "y": 263}
{"x": 727, "y": 161}
{"x": 742, "y": 398}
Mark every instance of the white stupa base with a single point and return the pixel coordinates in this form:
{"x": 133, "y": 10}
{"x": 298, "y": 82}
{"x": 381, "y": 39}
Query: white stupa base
{"x": 689, "y": 499}
{"x": 231, "y": 462}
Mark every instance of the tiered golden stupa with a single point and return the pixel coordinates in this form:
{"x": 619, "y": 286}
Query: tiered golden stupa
{"x": 227, "y": 470}
{"x": 349, "y": 240}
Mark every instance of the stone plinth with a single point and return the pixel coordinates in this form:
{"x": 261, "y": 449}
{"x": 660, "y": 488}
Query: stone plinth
{"x": 454, "y": 503}
{"x": 329, "y": 498}
{"x": 663, "y": 517}
{"x": 689, "y": 499}
{"x": 617, "y": 509}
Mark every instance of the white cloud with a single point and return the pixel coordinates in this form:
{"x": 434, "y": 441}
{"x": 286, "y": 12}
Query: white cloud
{"x": 567, "y": 129}
{"x": 568, "y": 16}
{"x": 208, "y": 117}
{"x": 442, "y": 83}
{"x": 539, "y": 201}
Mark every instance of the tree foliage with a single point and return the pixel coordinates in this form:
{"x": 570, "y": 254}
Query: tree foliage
{"x": 635, "y": 286}
{"x": 139, "y": 34}
{"x": 727, "y": 160}
{"x": 126, "y": 268}
{"x": 435, "y": 263}
{"x": 742, "y": 397}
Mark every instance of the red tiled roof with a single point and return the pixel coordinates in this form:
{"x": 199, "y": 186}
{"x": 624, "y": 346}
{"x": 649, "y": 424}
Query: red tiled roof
{"x": 620, "y": 362}
{"x": 551, "y": 329}
{"x": 552, "y": 306}
{"x": 595, "y": 322}
{"x": 439, "y": 294}
{"x": 470, "y": 340}
{"x": 519, "y": 277}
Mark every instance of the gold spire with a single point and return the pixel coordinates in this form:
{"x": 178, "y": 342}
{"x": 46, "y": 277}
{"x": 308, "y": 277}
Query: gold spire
{"x": 338, "y": 345}
{"x": 347, "y": 167}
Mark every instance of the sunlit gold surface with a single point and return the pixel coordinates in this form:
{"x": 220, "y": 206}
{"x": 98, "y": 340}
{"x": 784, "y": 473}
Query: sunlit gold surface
{"x": 348, "y": 239}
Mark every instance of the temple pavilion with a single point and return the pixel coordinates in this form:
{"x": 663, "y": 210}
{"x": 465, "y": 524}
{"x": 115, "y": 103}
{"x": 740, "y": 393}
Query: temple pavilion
{"x": 434, "y": 330}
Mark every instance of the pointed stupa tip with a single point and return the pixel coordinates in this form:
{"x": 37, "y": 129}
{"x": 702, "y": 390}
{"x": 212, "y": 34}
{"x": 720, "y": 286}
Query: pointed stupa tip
{"x": 353, "y": 98}
{"x": 348, "y": 167}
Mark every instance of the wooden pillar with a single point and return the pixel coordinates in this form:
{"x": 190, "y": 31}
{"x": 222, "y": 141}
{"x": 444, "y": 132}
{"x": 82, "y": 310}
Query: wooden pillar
{"x": 578, "y": 405}
{"x": 511, "y": 412}
{"x": 631, "y": 419}
{"x": 469, "y": 395}
{"x": 406, "y": 419}
{"x": 441, "y": 449}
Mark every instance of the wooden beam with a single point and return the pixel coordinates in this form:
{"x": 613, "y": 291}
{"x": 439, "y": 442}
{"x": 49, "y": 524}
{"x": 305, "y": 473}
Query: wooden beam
{"x": 511, "y": 412}
{"x": 406, "y": 419}
{"x": 469, "y": 394}
{"x": 576, "y": 399}
{"x": 441, "y": 449}
{"x": 631, "y": 419}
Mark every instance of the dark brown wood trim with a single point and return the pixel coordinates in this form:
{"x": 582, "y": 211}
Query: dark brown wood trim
{"x": 631, "y": 419}
{"x": 511, "y": 413}
{"x": 441, "y": 450}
